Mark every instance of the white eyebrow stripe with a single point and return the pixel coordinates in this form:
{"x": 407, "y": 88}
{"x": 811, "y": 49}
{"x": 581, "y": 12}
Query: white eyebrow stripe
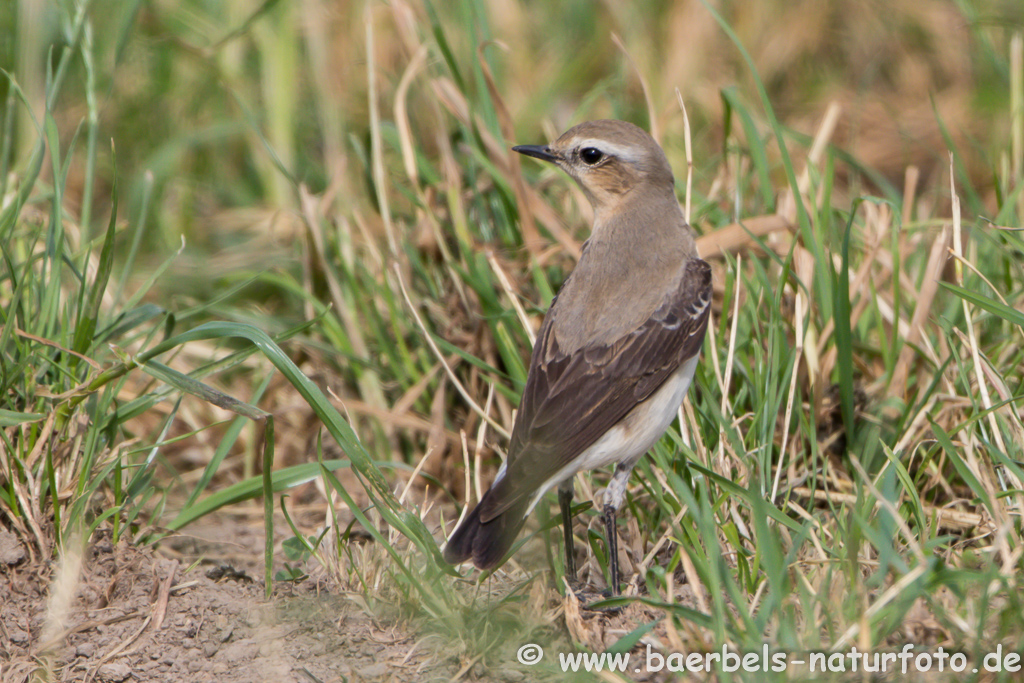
{"x": 626, "y": 152}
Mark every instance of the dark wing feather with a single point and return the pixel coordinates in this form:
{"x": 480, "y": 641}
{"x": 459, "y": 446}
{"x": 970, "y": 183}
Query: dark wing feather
{"x": 573, "y": 398}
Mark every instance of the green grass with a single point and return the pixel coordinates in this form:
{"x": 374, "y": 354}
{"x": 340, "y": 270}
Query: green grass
{"x": 302, "y": 196}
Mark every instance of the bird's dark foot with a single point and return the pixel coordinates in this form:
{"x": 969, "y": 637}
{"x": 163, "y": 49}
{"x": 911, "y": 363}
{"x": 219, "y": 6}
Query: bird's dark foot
{"x": 607, "y": 594}
{"x": 575, "y": 585}
{"x": 585, "y": 594}
{"x": 589, "y": 596}
{"x": 632, "y": 588}
{"x": 594, "y": 606}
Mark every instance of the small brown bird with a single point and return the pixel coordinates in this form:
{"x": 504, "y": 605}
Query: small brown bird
{"x": 616, "y": 352}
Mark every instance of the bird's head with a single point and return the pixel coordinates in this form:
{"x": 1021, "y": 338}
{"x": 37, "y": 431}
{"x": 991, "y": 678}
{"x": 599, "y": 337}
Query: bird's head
{"x": 610, "y": 160}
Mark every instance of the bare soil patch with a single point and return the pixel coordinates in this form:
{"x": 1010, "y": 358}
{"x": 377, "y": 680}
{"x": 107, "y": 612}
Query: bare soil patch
{"x": 216, "y": 623}
{"x": 193, "y": 609}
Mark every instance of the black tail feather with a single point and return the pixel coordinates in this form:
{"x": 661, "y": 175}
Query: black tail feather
{"x": 486, "y": 543}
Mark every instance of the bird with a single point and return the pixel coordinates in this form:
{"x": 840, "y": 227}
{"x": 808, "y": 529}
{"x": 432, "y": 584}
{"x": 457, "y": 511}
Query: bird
{"x": 615, "y": 353}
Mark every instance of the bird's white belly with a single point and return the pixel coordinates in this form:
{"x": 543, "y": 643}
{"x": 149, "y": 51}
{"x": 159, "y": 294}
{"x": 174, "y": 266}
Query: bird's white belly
{"x": 634, "y": 434}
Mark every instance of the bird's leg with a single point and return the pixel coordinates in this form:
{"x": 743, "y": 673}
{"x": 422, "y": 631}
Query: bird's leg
{"x": 565, "y": 491}
{"x": 612, "y": 501}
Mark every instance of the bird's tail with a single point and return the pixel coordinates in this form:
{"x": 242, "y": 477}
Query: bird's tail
{"x": 486, "y": 543}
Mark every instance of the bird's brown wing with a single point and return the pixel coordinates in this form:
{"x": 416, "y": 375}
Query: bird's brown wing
{"x": 571, "y": 399}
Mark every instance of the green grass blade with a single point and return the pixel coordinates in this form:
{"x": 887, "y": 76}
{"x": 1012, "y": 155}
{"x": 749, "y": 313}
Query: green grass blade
{"x": 87, "y": 321}
{"x": 249, "y": 489}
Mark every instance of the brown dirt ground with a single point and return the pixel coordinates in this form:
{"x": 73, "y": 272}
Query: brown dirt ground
{"x": 218, "y": 626}
{"x": 221, "y": 629}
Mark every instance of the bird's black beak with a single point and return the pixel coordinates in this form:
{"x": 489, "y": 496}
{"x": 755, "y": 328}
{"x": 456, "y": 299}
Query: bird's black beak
{"x": 542, "y": 152}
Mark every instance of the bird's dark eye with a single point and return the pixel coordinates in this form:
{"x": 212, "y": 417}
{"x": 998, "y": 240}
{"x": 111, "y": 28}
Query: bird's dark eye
{"x": 591, "y": 155}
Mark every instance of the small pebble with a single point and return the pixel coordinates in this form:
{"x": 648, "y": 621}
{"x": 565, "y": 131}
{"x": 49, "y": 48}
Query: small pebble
{"x": 114, "y": 672}
{"x": 378, "y": 670}
{"x": 11, "y": 549}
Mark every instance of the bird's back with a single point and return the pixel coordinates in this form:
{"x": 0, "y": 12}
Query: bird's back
{"x": 618, "y": 283}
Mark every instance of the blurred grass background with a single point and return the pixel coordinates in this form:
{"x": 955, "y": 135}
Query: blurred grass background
{"x": 847, "y": 469}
